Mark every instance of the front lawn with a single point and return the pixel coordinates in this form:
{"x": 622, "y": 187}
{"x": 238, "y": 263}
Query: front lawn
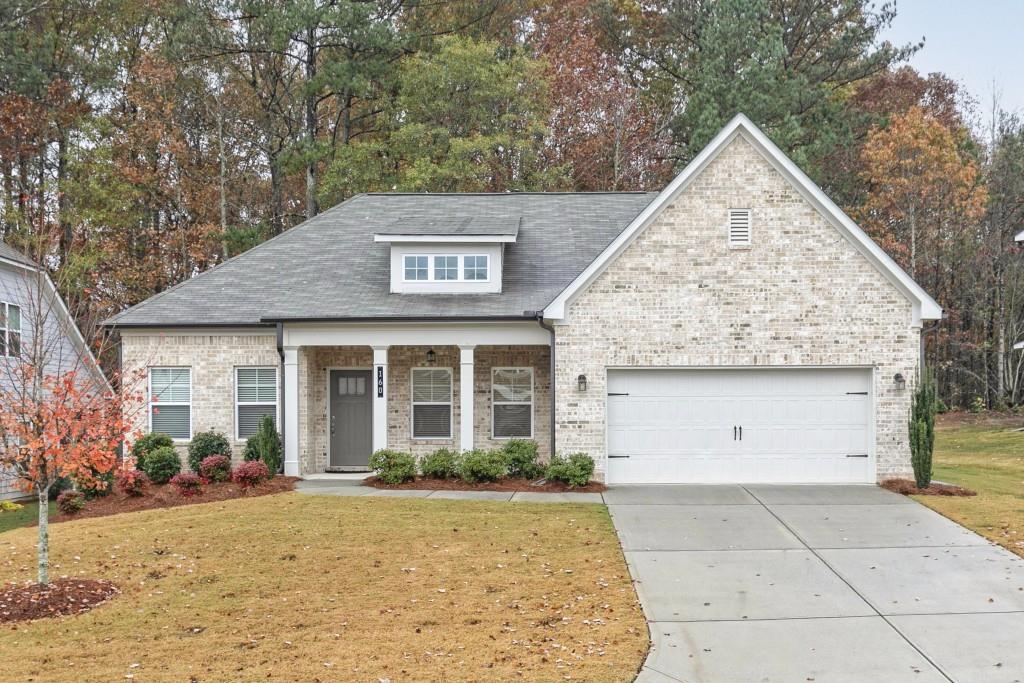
{"x": 985, "y": 454}
{"x": 318, "y": 588}
{"x": 28, "y": 514}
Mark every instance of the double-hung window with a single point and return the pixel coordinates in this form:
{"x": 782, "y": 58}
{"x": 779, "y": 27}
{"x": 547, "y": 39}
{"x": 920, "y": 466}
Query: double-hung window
{"x": 512, "y": 403}
{"x": 10, "y": 336}
{"x": 431, "y": 403}
{"x": 255, "y": 399}
{"x": 170, "y": 402}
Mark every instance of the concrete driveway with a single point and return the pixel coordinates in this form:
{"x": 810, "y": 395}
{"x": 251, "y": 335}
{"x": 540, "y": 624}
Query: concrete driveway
{"x": 816, "y": 583}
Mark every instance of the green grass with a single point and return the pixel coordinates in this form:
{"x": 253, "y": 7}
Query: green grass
{"x": 988, "y": 458}
{"x": 12, "y": 519}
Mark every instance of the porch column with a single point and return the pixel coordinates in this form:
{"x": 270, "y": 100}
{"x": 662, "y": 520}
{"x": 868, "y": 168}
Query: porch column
{"x": 380, "y": 398}
{"x": 466, "y": 398}
{"x": 291, "y": 411}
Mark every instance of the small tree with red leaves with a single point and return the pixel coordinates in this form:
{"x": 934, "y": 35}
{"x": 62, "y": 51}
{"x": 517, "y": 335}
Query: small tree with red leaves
{"x": 66, "y": 427}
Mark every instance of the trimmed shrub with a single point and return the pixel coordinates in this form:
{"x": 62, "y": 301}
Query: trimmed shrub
{"x": 101, "y": 484}
{"x": 71, "y": 502}
{"x": 148, "y": 443}
{"x": 187, "y": 484}
{"x": 250, "y": 473}
{"x": 10, "y": 506}
{"x": 521, "y": 458}
{"x": 393, "y": 467}
{"x": 265, "y": 445}
{"x": 480, "y": 465}
{"x": 441, "y": 464}
{"x": 575, "y": 469}
{"x": 922, "y": 430}
{"x": 215, "y": 468}
{"x": 162, "y": 464}
{"x": 205, "y": 444}
{"x": 129, "y": 480}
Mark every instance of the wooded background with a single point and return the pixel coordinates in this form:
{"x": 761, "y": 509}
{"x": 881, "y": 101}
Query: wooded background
{"x": 144, "y": 141}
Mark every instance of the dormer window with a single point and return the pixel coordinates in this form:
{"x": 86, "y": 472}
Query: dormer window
{"x": 456, "y": 254}
{"x": 474, "y": 268}
{"x": 416, "y": 268}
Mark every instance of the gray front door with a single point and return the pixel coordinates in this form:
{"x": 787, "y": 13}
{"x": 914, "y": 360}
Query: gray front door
{"x": 350, "y": 419}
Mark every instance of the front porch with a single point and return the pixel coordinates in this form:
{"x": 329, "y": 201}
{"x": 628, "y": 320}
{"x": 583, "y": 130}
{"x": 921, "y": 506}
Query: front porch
{"x": 343, "y": 401}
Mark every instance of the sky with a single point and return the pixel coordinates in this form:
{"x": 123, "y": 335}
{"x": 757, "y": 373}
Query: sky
{"x": 972, "y": 41}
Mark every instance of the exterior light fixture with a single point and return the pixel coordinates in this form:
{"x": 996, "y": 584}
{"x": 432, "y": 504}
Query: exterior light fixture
{"x": 431, "y": 357}
{"x": 900, "y": 381}
{"x": 581, "y": 381}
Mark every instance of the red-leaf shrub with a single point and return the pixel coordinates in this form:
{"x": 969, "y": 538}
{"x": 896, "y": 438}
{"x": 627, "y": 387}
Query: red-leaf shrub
{"x": 250, "y": 473}
{"x": 215, "y": 468}
{"x": 187, "y": 483}
{"x": 71, "y": 502}
{"x": 130, "y": 480}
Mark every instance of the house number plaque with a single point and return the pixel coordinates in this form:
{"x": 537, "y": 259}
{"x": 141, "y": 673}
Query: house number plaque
{"x": 380, "y": 381}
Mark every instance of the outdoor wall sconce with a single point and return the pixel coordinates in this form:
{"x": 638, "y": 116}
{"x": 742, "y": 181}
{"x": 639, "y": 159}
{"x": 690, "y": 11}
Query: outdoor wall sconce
{"x": 581, "y": 381}
{"x": 431, "y": 357}
{"x": 900, "y": 381}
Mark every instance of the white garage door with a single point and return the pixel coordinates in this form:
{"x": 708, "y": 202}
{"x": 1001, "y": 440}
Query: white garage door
{"x": 739, "y": 425}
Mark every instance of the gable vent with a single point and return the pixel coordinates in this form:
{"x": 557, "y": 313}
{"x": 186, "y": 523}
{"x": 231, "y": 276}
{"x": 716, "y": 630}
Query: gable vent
{"x": 739, "y": 227}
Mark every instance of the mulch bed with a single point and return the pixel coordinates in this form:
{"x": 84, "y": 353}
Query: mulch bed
{"x": 23, "y": 602}
{"x": 907, "y": 487}
{"x": 166, "y": 496}
{"x": 507, "y": 484}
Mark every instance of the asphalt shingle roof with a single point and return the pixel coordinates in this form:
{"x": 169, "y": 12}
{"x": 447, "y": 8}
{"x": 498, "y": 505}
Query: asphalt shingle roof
{"x": 458, "y": 226}
{"x": 329, "y": 267}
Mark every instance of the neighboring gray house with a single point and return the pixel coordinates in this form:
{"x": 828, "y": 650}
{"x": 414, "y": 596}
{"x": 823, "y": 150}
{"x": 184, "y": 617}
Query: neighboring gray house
{"x": 735, "y": 327}
{"x": 30, "y": 307}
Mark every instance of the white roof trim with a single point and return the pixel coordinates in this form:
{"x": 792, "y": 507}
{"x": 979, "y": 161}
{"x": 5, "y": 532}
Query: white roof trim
{"x": 446, "y": 239}
{"x": 1019, "y": 237}
{"x": 925, "y": 308}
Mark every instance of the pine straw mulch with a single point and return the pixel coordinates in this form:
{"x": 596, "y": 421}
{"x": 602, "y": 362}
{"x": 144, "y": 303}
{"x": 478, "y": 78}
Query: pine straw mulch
{"x": 908, "y": 487}
{"x": 25, "y": 602}
{"x": 166, "y": 496}
{"x": 504, "y": 484}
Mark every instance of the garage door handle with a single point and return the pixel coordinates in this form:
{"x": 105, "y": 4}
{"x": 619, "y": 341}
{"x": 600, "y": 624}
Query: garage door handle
{"x": 856, "y": 393}
{"x": 734, "y": 433}
{"x": 612, "y": 393}
{"x": 857, "y": 455}
{"x": 741, "y": 432}
{"x": 617, "y": 456}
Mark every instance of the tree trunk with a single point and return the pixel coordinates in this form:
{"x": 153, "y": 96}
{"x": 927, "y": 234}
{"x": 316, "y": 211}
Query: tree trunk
{"x": 311, "y": 127}
{"x": 66, "y": 235}
{"x": 223, "y": 182}
{"x": 276, "y": 196}
{"x": 43, "y": 551}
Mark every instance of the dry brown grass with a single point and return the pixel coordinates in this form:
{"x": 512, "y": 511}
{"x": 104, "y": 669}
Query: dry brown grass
{"x": 315, "y": 588}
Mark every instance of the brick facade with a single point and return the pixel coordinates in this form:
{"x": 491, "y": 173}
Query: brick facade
{"x": 214, "y": 357}
{"x": 800, "y": 295}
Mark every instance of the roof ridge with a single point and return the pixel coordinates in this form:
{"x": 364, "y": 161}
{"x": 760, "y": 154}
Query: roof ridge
{"x": 505, "y": 194}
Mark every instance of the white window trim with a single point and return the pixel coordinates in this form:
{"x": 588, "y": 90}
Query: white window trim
{"x": 531, "y": 402}
{"x": 450, "y": 403}
{"x": 276, "y": 402}
{"x": 750, "y": 228}
{"x": 5, "y": 329}
{"x": 149, "y": 398}
{"x": 460, "y": 267}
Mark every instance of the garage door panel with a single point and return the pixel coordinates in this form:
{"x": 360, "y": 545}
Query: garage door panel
{"x": 798, "y": 425}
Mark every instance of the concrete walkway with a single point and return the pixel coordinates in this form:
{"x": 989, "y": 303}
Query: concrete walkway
{"x": 352, "y": 486}
{"x": 816, "y": 583}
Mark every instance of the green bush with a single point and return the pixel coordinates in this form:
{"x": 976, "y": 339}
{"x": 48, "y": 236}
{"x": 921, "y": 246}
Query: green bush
{"x": 205, "y": 444}
{"x": 977, "y": 405}
{"x": 393, "y": 467}
{"x": 162, "y": 464}
{"x": 575, "y": 469}
{"x": 100, "y": 484}
{"x": 521, "y": 459}
{"x": 265, "y": 446}
{"x": 147, "y": 443}
{"x": 922, "y": 430}
{"x": 480, "y": 465}
{"x": 441, "y": 464}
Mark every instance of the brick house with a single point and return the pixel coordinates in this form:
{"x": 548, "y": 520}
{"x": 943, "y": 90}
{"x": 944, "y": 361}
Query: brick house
{"x": 735, "y": 327}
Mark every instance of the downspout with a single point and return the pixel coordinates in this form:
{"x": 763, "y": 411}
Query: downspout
{"x": 551, "y": 374}
{"x": 280, "y": 353}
